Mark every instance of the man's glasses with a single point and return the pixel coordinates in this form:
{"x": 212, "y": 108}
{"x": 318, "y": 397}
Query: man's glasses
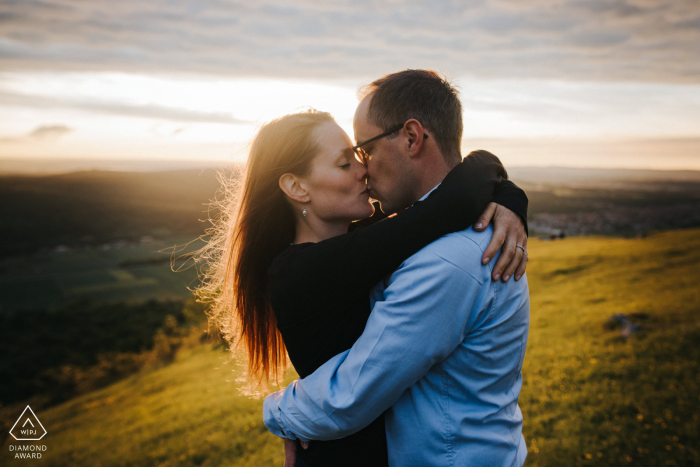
{"x": 365, "y": 156}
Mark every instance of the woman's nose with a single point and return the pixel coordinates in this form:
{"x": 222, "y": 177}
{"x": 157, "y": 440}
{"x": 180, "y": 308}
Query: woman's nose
{"x": 361, "y": 171}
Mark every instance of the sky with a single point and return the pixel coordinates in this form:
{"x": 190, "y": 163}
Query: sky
{"x": 564, "y": 82}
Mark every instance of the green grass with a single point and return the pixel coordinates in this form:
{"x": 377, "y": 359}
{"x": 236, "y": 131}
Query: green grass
{"x": 189, "y": 413}
{"x": 132, "y": 272}
{"x": 590, "y": 396}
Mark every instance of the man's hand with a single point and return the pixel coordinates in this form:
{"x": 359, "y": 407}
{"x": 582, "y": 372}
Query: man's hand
{"x": 508, "y": 235}
{"x": 290, "y": 451}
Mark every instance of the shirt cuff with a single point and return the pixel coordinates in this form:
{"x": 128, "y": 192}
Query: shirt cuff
{"x": 273, "y": 417}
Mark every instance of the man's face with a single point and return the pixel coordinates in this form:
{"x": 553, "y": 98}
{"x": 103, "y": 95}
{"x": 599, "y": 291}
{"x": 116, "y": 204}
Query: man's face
{"x": 388, "y": 171}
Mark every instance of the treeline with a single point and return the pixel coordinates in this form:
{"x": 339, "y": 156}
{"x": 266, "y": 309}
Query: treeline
{"x": 51, "y": 356}
{"x": 95, "y": 207}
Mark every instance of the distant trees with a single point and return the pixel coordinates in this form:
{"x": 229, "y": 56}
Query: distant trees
{"x": 51, "y": 356}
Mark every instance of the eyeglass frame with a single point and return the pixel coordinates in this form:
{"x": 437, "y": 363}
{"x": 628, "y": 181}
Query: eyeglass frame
{"x": 386, "y": 133}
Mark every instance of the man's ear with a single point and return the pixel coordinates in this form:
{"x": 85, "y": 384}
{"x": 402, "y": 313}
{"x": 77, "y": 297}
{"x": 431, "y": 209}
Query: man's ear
{"x": 294, "y": 188}
{"x": 416, "y": 135}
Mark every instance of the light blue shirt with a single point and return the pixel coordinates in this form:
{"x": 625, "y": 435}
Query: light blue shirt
{"x": 442, "y": 351}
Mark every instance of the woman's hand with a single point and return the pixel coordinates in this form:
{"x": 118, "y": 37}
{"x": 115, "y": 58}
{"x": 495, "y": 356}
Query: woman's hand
{"x": 290, "y": 452}
{"x": 510, "y": 237}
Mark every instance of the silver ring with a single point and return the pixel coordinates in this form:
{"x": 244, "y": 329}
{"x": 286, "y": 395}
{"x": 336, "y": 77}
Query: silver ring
{"x": 521, "y": 247}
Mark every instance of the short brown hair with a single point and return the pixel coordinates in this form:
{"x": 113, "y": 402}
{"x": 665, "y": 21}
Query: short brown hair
{"x": 424, "y": 95}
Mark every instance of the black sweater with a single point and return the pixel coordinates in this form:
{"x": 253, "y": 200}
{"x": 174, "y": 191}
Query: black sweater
{"x": 320, "y": 291}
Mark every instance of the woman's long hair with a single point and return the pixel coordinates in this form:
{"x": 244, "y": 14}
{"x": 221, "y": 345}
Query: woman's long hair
{"x": 255, "y": 224}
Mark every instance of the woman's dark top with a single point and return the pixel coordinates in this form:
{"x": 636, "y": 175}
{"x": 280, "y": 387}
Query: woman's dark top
{"x": 320, "y": 291}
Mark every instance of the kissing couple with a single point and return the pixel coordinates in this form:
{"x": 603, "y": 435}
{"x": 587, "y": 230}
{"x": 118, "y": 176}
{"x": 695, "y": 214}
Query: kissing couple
{"x": 407, "y": 325}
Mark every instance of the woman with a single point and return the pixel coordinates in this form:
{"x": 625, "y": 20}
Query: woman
{"x": 286, "y": 273}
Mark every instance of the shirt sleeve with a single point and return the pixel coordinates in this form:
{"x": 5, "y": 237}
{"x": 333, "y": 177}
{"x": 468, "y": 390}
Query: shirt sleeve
{"x": 424, "y": 316}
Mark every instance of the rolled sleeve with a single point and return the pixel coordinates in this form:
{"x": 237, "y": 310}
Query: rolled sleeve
{"x": 273, "y": 418}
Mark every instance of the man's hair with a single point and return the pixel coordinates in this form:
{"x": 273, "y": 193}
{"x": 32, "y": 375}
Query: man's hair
{"x": 424, "y": 95}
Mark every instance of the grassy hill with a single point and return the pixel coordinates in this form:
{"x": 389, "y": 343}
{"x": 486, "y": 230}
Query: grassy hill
{"x": 591, "y": 396}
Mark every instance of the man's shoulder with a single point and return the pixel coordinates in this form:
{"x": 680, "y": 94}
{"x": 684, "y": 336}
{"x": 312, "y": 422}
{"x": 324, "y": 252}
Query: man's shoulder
{"x": 463, "y": 244}
{"x": 462, "y": 250}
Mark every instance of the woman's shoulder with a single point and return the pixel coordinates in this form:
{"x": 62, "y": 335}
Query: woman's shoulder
{"x": 295, "y": 283}
{"x": 292, "y": 261}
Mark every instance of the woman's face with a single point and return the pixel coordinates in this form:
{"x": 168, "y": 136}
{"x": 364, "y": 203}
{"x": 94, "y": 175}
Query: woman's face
{"x": 336, "y": 182}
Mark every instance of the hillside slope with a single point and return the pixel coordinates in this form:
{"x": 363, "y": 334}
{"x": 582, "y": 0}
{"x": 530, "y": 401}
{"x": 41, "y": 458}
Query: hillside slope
{"x": 189, "y": 413}
{"x": 591, "y": 396}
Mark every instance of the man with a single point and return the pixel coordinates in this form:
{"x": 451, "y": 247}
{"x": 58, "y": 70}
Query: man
{"x": 443, "y": 349}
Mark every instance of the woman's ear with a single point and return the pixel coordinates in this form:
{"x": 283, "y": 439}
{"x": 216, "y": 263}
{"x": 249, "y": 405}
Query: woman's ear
{"x": 294, "y": 188}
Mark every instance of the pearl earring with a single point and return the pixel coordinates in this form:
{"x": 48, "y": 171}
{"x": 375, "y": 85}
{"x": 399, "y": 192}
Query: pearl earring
{"x": 304, "y": 211}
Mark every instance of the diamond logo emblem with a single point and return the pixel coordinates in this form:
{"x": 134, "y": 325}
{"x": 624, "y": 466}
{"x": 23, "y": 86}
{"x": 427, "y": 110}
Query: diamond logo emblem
{"x": 28, "y": 427}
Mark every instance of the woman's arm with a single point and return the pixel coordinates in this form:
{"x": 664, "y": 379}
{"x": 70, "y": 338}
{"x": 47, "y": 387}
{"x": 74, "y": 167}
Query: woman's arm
{"x": 358, "y": 260}
{"x": 506, "y": 194}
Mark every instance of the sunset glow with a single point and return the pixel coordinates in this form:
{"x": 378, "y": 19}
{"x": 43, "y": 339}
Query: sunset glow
{"x": 574, "y": 84}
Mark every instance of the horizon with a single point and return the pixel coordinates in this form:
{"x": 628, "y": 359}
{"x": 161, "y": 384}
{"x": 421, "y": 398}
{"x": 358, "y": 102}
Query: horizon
{"x": 570, "y": 175}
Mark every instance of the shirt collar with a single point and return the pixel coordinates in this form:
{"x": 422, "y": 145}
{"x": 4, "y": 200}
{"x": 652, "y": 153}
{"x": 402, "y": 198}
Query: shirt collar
{"x": 428, "y": 193}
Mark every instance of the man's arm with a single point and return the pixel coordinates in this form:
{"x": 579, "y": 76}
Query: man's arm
{"x": 425, "y": 315}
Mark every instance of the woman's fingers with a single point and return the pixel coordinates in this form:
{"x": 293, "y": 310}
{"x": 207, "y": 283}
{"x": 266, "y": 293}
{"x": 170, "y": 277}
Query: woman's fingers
{"x": 485, "y": 217}
{"x": 523, "y": 262}
{"x": 513, "y": 248}
{"x": 513, "y": 265}
{"x": 505, "y": 231}
{"x": 500, "y": 229}
{"x": 507, "y": 254}
{"x": 508, "y": 236}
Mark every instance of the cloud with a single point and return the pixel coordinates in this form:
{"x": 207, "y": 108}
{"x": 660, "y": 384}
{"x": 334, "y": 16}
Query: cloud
{"x": 626, "y": 40}
{"x": 40, "y": 133}
{"x": 49, "y": 132}
{"x": 117, "y": 108}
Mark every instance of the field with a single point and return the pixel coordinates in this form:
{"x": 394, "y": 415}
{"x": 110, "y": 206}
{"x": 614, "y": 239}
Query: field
{"x": 591, "y": 395}
{"x": 106, "y": 236}
{"x": 111, "y": 272}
